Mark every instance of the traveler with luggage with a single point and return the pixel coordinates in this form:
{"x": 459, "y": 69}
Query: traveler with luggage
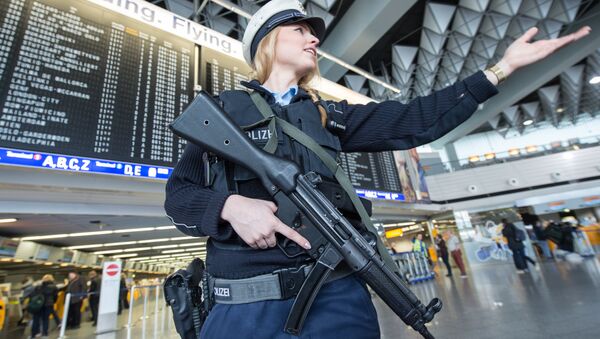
{"x": 41, "y": 305}
{"x": 516, "y": 237}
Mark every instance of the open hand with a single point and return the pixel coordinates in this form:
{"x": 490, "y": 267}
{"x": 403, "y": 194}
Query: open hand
{"x": 522, "y": 52}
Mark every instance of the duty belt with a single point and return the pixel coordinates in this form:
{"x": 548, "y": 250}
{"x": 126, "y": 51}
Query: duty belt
{"x": 279, "y": 285}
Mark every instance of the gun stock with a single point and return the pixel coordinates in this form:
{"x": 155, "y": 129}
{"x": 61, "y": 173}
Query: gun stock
{"x": 205, "y": 124}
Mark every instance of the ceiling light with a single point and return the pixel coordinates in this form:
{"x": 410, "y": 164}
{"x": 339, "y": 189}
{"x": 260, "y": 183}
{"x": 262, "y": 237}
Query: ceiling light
{"x": 129, "y": 255}
{"x": 183, "y": 238}
{"x": 140, "y": 258}
{"x": 153, "y": 240}
{"x": 160, "y": 256}
{"x": 159, "y": 228}
{"x": 18, "y": 260}
{"x": 190, "y": 244}
{"x": 78, "y": 247}
{"x": 560, "y": 110}
{"x": 42, "y": 237}
{"x": 6, "y": 259}
{"x": 110, "y": 244}
{"x": 109, "y": 252}
{"x": 527, "y": 122}
{"x": 399, "y": 224}
{"x": 83, "y": 234}
{"x": 163, "y": 246}
{"x": 595, "y": 80}
{"x": 140, "y": 229}
{"x": 2, "y": 221}
{"x": 173, "y": 251}
{"x": 48, "y": 263}
{"x": 531, "y": 148}
{"x": 137, "y": 249}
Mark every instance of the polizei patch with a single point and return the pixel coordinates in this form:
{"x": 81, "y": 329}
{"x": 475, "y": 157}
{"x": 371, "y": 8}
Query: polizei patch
{"x": 222, "y": 292}
{"x": 259, "y": 135}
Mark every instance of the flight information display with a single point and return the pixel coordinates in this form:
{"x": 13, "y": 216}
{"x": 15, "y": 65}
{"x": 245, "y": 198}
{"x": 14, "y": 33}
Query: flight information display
{"x": 374, "y": 171}
{"x": 77, "y": 79}
{"x": 220, "y": 72}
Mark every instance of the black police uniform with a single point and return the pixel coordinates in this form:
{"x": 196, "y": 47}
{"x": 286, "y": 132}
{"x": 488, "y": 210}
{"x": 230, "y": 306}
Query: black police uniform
{"x": 195, "y": 209}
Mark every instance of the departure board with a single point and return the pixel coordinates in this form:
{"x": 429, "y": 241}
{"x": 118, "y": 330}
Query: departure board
{"x": 77, "y": 79}
{"x": 374, "y": 171}
{"x": 220, "y": 72}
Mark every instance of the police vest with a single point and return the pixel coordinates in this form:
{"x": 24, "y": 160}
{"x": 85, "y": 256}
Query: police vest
{"x": 303, "y": 114}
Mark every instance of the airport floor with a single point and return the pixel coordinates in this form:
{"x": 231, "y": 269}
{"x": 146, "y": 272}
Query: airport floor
{"x": 560, "y": 300}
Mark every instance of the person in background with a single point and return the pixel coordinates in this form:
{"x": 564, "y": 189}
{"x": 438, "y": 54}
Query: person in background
{"x": 123, "y": 302}
{"x": 542, "y": 240}
{"x": 515, "y": 244}
{"x": 50, "y": 292}
{"x": 419, "y": 245}
{"x": 77, "y": 290}
{"x": 441, "y": 244}
{"x": 454, "y": 248}
{"x": 94, "y": 294}
{"x": 26, "y": 289}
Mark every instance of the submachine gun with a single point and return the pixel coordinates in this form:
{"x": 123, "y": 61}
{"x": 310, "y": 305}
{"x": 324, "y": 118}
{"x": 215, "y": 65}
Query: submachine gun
{"x": 333, "y": 239}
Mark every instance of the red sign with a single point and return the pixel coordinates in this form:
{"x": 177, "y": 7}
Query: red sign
{"x": 112, "y": 269}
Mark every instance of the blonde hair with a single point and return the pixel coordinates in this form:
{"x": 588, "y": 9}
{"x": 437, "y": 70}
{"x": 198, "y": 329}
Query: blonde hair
{"x": 262, "y": 66}
{"x": 48, "y": 278}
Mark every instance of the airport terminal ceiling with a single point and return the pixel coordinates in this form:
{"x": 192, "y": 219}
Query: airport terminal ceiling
{"x": 420, "y": 46}
{"x": 145, "y": 236}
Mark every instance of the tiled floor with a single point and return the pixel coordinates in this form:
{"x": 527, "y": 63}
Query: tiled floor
{"x": 561, "y": 300}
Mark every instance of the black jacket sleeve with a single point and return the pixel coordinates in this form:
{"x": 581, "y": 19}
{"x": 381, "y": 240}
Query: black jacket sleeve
{"x": 194, "y": 209}
{"x": 391, "y": 125}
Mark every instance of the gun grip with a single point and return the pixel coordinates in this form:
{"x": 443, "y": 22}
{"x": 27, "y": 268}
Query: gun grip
{"x": 289, "y": 214}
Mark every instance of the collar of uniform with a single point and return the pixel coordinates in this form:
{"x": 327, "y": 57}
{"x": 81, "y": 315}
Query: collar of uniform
{"x": 255, "y": 85}
{"x": 284, "y": 98}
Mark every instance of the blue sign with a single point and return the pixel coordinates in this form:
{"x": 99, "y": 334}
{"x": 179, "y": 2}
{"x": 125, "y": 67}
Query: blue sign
{"x": 80, "y": 164}
{"x": 380, "y": 195}
{"x": 99, "y": 166}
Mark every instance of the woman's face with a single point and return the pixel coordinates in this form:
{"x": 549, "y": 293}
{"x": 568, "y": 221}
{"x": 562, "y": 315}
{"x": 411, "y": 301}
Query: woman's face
{"x": 296, "y": 48}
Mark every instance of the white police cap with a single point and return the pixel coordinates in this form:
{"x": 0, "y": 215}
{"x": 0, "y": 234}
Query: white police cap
{"x": 273, "y": 14}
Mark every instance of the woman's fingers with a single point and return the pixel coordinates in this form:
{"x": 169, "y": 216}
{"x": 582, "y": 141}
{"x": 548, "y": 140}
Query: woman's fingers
{"x": 294, "y": 236}
{"x": 271, "y": 241}
{"x": 527, "y": 36}
{"x": 583, "y": 31}
{"x": 262, "y": 243}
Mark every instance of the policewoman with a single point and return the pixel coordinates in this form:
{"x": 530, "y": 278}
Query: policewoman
{"x": 206, "y": 196}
